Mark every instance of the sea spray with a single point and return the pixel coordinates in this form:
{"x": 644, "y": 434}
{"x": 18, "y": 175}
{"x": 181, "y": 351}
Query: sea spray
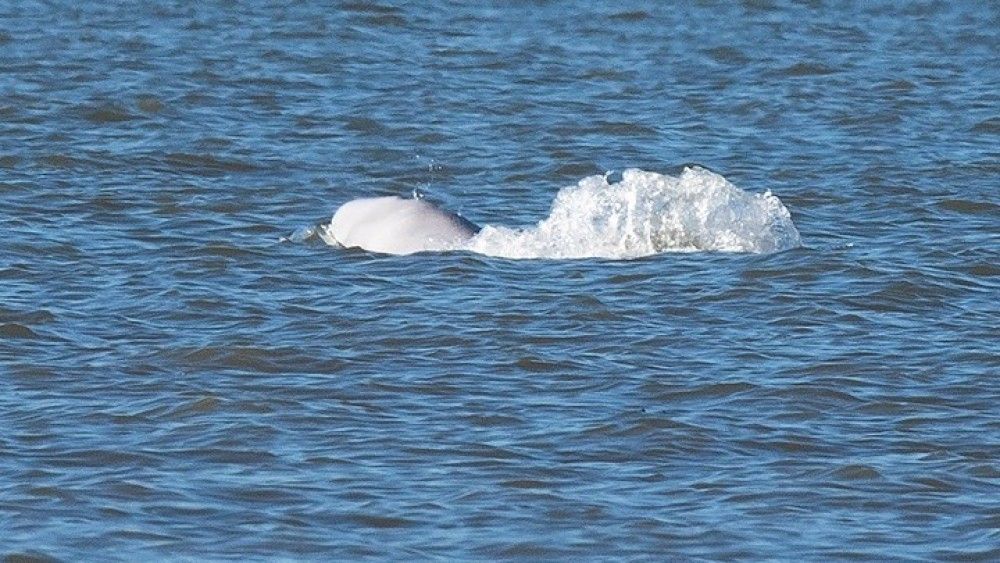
{"x": 648, "y": 213}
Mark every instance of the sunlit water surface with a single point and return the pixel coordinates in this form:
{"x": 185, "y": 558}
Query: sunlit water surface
{"x": 188, "y": 371}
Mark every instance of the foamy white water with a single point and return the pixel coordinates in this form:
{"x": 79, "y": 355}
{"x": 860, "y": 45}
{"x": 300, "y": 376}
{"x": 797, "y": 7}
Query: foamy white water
{"x": 648, "y": 213}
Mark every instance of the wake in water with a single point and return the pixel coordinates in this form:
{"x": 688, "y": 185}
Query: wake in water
{"x": 645, "y": 213}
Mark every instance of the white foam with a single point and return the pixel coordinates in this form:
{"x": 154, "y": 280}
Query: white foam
{"x": 647, "y": 213}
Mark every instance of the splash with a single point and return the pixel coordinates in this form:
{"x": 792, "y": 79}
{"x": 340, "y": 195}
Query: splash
{"x": 648, "y": 213}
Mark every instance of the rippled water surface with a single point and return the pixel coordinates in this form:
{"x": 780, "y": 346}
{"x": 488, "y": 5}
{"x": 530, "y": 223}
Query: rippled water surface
{"x": 188, "y": 371}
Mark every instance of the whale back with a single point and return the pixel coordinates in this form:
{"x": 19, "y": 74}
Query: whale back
{"x": 393, "y": 225}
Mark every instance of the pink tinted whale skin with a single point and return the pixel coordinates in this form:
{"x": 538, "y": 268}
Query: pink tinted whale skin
{"x": 394, "y": 225}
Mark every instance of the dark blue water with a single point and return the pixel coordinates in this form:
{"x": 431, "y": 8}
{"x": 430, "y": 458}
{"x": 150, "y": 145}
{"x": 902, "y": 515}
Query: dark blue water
{"x": 187, "y": 371}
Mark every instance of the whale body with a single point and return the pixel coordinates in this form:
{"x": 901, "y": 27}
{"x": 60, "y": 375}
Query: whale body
{"x": 393, "y": 225}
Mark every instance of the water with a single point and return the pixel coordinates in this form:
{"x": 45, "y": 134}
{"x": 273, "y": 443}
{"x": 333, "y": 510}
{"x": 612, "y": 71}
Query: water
{"x": 187, "y": 371}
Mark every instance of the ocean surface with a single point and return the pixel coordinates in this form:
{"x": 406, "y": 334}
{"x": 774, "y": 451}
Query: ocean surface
{"x": 737, "y": 294}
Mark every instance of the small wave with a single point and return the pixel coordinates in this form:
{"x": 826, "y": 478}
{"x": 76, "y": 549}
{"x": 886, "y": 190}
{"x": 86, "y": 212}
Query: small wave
{"x": 648, "y": 213}
{"x": 107, "y": 113}
{"x": 807, "y": 69}
{"x": 634, "y": 16}
{"x": 207, "y": 163}
{"x": 15, "y": 330}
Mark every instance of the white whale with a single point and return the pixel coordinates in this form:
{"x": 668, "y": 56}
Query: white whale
{"x": 393, "y": 225}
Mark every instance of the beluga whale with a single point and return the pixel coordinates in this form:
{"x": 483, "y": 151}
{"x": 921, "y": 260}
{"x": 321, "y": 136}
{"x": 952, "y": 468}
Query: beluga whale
{"x": 395, "y": 225}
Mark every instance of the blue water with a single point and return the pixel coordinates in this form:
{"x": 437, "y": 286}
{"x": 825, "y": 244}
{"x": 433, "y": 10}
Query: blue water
{"x": 188, "y": 371}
